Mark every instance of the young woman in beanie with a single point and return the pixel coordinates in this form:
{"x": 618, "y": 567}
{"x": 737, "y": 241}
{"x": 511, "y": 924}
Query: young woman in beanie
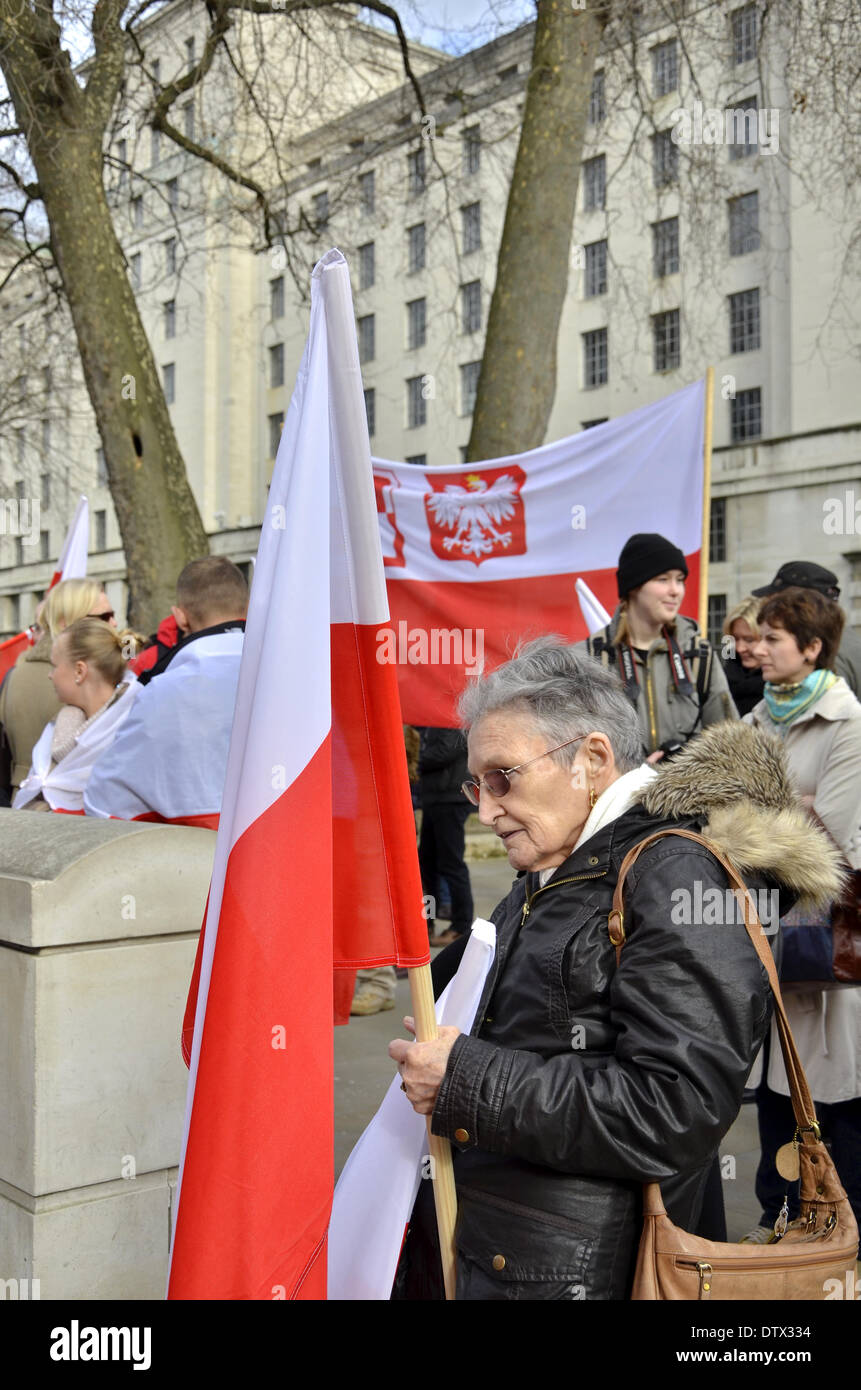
{"x": 668, "y": 670}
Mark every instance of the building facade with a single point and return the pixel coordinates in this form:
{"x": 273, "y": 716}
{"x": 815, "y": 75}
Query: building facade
{"x": 705, "y": 233}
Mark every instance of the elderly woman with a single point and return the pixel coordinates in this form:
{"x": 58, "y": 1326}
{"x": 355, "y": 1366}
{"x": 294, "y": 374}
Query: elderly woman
{"x": 580, "y": 1080}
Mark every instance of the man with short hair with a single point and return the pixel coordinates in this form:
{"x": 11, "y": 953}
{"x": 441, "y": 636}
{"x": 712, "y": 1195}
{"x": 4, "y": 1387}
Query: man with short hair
{"x": 803, "y": 574}
{"x": 170, "y": 759}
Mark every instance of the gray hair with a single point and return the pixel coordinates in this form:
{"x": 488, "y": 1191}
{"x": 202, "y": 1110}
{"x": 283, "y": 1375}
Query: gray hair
{"x": 566, "y": 692}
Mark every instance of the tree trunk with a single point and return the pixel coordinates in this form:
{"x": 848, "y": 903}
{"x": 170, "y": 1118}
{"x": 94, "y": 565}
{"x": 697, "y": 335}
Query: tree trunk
{"x": 517, "y": 383}
{"x": 159, "y": 521}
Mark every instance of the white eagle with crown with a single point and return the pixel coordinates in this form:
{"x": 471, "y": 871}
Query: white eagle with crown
{"x": 475, "y": 513}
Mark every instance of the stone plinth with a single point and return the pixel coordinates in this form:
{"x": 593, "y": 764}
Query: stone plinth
{"x": 98, "y": 928}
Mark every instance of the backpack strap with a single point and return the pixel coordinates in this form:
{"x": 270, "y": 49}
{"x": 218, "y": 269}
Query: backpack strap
{"x": 802, "y": 1104}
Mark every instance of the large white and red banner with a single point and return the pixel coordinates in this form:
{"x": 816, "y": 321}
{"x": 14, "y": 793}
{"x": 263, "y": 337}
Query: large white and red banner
{"x": 315, "y": 860}
{"x": 481, "y": 556}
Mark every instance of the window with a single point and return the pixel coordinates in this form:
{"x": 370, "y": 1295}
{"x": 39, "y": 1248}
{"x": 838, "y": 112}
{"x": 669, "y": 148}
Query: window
{"x": 188, "y": 119}
{"x": 367, "y": 193}
{"x": 276, "y": 298}
{"x": 314, "y": 165}
{"x": 744, "y": 34}
{"x": 595, "y": 358}
{"x": 135, "y": 267}
{"x": 367, "y": 265}
{"x": 170, "y": 255}
{"x": 154, "y": 146}
{"x": 19, "y": 550}
{"x": 367, "y": 337}
{"x": 417, "y": 460}
{"x": 590, "y": 424}
{"x": 665, "y": 247}
{"x": 371, "y": 410}
{"x": 665, "y": 159}
{"x": 745, "y": 414}
{"x": 596, "y": 269}
{"x": 469, "y": 374}
{"x": 416, "y": 323}
{"x": 122, "y": 156}
{"x": 168, "y": 377}
{"x": 45, "y": 482}
{"x": 470, "y": 307}
{"x": 137, "y": 212}
{"x": 743, "y": 224}
{"x": 464, "y": 450}
{"x": 101, "y": 521}
{"x": 594, "y": 182}
{"x": 505, "y": 74}
{"x": 417, "y": 247}
{"x": 471, "y": 150}
{"x": 665, "y": 68}
{"x": 665, "y": 331}
{"x": 156, "y": 69}
{"x": 173, "y": 194}
{"x": 275, "y": 423}
{"x": 46, "y": 437}
{"x": 416, "y": 172}
{"x": 716, "y": 615}
{"x": 597, "y": 103}
{"x": 471, "y": 227}
{"x": 417, "y": 406}
{"x": 44, "y": 545}
{"x": 717, "y": 530}
{"x": 276, "y": 366}
{"x": 744, "y": 140}
{"x": 170, "y": 318}
{"x": 744, "y": 335}
{"x": 321, "y": 211}
{"x": 189, "y": 53}
{"x": 101, "y": 468}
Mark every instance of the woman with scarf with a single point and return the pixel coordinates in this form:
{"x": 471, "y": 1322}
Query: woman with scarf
{"x": 819, "y": 720}
{"x": 90, "y": 676}
{"x": 581, "y": 1078}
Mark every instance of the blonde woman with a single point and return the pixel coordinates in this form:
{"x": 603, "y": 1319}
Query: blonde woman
{"x": 741, "y": 665}
{"x": 27, "y": 700}
{"x": 90, "y": 676}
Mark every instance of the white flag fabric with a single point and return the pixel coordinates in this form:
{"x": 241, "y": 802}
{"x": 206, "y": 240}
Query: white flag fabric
{"x": 380, "y": 1180}
{"x": 63, "y": 786}
{"x": 594, "y": 613}
{"x": 72, "y": 563}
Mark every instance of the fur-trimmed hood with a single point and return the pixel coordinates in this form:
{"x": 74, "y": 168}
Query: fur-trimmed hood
{"x": 734, "y": 779}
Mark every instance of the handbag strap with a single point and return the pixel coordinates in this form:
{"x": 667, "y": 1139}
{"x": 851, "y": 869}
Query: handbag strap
{"x": 802, "y": 1104}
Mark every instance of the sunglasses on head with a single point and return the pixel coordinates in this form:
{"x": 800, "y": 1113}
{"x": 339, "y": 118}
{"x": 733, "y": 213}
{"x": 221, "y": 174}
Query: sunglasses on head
{"x": 497, "y": 780}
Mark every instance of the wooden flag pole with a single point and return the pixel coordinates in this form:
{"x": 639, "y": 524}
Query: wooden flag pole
{"x": 707, "y": 502}
{"x": 421, "y": 989}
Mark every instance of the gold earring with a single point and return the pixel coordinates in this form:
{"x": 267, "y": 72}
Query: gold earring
{"x": 592, "y": 798}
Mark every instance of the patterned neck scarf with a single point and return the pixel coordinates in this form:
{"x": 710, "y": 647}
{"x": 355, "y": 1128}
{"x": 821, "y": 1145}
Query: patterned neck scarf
{"x": 786, "y": 702}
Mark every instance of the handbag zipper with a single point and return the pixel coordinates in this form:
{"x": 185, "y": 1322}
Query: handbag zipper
{"x": 705, "y": 1269}
{"x": 578, "y": 878}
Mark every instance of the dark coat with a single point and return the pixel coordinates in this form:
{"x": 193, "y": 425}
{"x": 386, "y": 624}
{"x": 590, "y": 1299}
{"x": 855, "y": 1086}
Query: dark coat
{"x": 580, "y": 1080}
{"x": 745, "y": 686}
{"x": 442, "y": 767}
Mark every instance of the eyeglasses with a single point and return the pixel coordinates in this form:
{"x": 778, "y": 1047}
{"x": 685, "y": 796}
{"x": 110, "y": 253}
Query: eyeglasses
{"x": 105, "y": 616}
{"x": 497, "y": 781}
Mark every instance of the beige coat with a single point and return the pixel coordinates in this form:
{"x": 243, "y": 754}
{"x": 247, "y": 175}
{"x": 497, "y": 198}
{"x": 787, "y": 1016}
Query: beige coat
{"x": 823, "y": 749}
{"x": 27, "y": 703}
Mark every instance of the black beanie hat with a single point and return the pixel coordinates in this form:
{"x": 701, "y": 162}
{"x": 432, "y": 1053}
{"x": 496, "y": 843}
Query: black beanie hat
{"x": 645, "y": 555}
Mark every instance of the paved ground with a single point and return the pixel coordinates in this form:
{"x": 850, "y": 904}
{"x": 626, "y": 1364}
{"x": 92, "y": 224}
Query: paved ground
{"x": 363, "y": 1068}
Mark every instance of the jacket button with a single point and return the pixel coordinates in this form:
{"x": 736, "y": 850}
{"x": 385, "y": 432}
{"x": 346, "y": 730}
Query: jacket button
{"x": 461, "y": 1136}
{"x": 593, "y": 859}
{"x": 498, "y": 1262}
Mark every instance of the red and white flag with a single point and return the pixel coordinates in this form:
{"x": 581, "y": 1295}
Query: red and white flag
{"x": 72, "y": 564}
{"x": 481, "y": 555}
{"x": 315, "y": 861}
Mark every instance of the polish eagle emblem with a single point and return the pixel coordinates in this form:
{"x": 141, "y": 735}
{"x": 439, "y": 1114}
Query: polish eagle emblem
{"x": 478, "y": 515}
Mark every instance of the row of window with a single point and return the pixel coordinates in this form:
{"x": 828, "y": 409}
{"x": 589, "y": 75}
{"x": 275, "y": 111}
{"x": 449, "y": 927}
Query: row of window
{"x": 665, "y": 155}
{"x": 136, "y": 262}
{"x": 744, "y": 336}
{"x": 366, "y": 324}
{"x": 419, "y": 390}
{"x": 25, "y": 555}
{"x": 743, "y": 238}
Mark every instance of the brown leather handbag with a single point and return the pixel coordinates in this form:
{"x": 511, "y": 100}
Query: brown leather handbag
{"x": 819, "y": 1247}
